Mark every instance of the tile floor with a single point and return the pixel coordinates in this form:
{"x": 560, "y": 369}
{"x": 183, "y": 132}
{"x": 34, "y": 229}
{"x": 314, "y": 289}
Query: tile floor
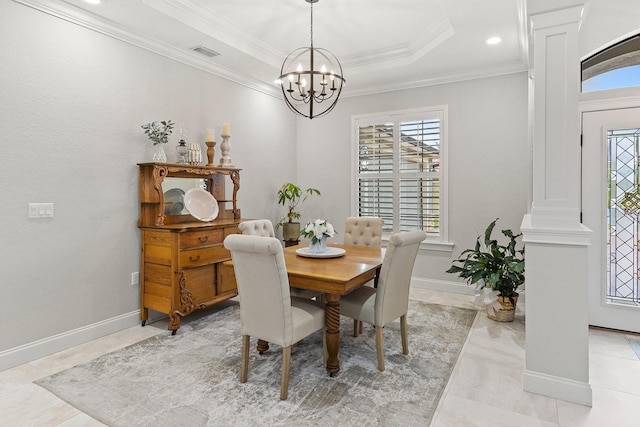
{"x": 485, "y": 388}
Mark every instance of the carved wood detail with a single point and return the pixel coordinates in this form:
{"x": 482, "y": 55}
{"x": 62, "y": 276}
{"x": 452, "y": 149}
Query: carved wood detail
{"x": 159, "y": 173}
{"x": 187, "y": 304}
{"x": 152, "y": 197}
{"x": 235, "y": 178}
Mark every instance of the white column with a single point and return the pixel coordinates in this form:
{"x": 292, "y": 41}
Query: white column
{"x": 557, "y": 346}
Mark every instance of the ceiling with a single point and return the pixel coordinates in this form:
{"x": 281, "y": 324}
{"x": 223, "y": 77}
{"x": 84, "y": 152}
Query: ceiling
{"x": 383, "y": 45}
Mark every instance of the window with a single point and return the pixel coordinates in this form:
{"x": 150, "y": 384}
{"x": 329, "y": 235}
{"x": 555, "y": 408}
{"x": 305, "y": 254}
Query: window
{"x": 400, "y": 165}
{"x": 617, "y": 66}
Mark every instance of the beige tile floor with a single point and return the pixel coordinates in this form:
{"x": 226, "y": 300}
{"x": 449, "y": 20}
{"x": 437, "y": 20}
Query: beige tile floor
{"x": 485, "y": 388}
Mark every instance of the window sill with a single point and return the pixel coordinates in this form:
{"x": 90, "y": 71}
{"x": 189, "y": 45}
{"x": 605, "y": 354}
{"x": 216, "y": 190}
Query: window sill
{"x": 437, "y": 246}
{"x": 427, "y": 245}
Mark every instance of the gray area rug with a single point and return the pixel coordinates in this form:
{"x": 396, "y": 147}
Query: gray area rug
{"x": 635, "y": 345}
{"x": 191, "y": 379}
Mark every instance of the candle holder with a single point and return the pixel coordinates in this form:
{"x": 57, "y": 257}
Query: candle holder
{"x": 210, "y": 152}
{"x": 194, "y": 157}
{"x": 225, "y": 160}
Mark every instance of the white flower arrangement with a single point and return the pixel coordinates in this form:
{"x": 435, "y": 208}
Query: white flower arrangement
{"x": 316, "y": 230}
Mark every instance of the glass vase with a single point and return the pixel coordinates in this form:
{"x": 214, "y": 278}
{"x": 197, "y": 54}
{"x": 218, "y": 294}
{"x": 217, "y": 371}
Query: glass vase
{"x": 159, "y": 155}
{"x": 319, "y": 247}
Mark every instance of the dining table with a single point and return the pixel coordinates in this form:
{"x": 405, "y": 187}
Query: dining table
{"x": 337, "y": 273}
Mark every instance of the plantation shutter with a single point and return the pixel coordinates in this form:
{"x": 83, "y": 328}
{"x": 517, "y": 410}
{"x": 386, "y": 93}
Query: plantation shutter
{"x": 399, "y": 173}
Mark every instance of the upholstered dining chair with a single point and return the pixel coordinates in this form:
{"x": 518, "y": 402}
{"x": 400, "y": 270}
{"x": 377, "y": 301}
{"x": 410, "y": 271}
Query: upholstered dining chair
{"x": 264, "y": 228}
{"x": 257, "y": 227}
{"x": 390, "y": 300}
{"x": 363, "y": 231}
{"x": 267, "y": 310}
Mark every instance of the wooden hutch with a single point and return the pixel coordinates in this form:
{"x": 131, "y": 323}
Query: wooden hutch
{"x": 181, "y": 256}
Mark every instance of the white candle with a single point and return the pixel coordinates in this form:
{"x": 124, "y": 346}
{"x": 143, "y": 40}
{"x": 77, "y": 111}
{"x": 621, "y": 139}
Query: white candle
{"x": 225, "y": 129}
{"x": 210, "y": 135}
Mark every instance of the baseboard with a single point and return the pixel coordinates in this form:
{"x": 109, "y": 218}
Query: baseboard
{"x": 44, "y": 347}
{"x": 558, "y": 387}
{"x": 442, "y": 285}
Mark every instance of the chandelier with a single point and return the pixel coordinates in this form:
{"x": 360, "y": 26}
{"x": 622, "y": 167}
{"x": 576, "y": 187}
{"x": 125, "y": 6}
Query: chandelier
{"x": 311, "y": 79}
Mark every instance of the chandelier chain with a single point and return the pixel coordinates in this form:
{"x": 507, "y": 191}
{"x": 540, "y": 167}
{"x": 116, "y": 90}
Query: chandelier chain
{"x": 311, "y": 25}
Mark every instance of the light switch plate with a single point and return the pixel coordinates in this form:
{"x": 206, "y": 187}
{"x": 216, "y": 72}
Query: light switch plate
{"x": 40, "y": 210}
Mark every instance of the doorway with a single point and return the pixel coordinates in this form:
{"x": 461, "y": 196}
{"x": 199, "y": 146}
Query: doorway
{"x": 611, "y": 208}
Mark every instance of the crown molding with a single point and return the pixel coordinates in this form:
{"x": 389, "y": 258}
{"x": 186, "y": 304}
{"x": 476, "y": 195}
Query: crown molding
{"x": 402, "y": 55}
{"x": 511, "y": 68}
{"x": 79, "y": 17}
{"x": 200, "y": 18}
{"x": 216, "y": 26}
{"x": 93, "y": 23}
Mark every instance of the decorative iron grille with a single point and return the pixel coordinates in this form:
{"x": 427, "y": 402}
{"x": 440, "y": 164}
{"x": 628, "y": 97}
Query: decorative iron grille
{"x": 622, "y": 216}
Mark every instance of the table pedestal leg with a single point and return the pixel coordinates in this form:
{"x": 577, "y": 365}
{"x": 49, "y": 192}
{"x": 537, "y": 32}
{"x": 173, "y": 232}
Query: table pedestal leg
{"x": 332, "y": 321}
{"x": 262, "y": 346}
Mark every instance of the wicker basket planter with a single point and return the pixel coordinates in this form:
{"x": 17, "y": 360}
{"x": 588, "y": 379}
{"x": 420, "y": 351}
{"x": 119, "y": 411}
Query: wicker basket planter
{"x": 291, "y": 231}
{"x": 507, "y": 312}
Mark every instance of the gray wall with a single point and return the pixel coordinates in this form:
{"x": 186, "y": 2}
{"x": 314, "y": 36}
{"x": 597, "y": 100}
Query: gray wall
{"x": 71, "y": 106}
{"x": 489, "y": 160}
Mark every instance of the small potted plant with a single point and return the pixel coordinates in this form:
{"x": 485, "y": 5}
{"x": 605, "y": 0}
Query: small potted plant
{"x": 290, "y": 195}
{"x": 317, "y": 232}
{"x": 159, "y": 133}
{"x": 496, "y": 269}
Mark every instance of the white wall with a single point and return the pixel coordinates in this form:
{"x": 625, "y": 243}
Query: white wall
{"x": 489, "y": 160}
{"x": 71, "y": 105}
{"x": 606, "y": 22}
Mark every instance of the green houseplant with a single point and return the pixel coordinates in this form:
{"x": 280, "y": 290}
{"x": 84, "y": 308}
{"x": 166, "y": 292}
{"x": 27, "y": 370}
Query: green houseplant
{"x": 291, "y": 195}
{"x": 159, "y": 133}
{"x": 494, "y": 266}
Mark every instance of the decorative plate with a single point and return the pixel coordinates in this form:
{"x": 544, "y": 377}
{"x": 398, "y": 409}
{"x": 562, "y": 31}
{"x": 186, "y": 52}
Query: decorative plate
{"x": 330, "y": 253}
{"x": 201, "y": 204}
{"x": 173, "y": 201}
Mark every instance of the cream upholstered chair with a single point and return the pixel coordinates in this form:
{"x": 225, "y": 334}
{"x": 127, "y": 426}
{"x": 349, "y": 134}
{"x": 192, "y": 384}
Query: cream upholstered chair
{"x": 257, "y": 227}
{"x": 264, "y": 228}
{"x": 363, "y": 231}
{"x": 390, "y": 300}
{"x": 266, "y": 308}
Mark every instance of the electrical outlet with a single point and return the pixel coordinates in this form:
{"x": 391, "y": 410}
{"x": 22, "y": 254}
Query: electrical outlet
{"x": 135, "y": 278}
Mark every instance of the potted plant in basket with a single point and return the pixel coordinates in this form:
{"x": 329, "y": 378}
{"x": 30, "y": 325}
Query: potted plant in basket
{"x": 497, "y": 270}
{"x": 290, "y": 195}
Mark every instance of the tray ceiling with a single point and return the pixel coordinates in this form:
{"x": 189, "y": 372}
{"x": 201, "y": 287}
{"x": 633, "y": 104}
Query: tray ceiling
{"x": 382, "y": 44}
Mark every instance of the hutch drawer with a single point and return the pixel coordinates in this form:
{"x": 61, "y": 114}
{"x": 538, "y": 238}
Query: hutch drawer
{"x": 196, "y": 239}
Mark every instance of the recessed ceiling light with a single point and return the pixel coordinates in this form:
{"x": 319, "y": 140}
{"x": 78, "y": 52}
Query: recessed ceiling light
{"x": 92, "y": 1}
{"x": 494, "y": 40}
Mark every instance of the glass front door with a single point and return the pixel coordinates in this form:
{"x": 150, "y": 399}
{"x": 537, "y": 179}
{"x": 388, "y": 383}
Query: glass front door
{"x": 611, "y": 208}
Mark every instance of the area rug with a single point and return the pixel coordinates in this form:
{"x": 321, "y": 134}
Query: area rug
{"x": 191, "y": 379}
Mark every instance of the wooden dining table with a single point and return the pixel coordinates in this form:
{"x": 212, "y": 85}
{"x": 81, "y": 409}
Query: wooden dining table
{"x": 333, "y": 277}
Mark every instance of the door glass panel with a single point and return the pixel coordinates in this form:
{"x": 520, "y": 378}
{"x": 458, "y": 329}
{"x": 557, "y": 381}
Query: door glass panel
{"x": 622, "y": 217}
